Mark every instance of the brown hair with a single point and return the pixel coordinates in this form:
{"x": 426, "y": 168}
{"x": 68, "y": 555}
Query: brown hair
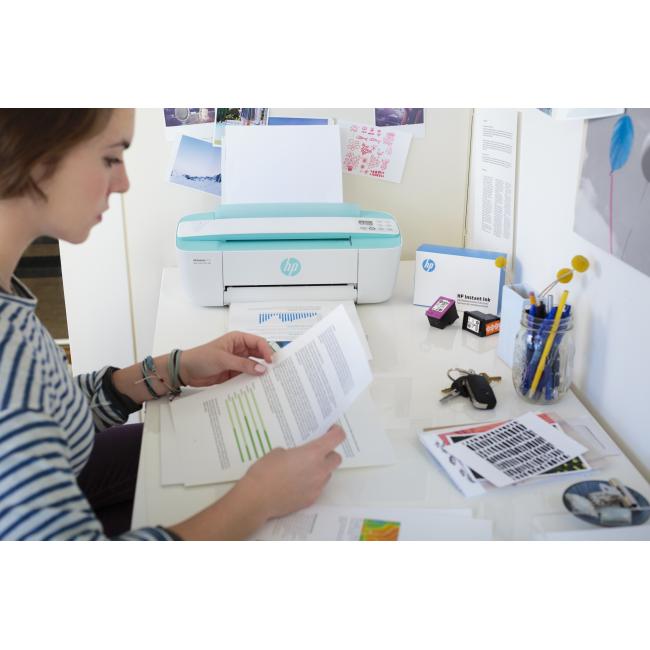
{"x": 29, "y": 136}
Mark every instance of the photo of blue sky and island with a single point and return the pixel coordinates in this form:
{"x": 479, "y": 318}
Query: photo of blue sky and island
{"x": 197, "y": 165}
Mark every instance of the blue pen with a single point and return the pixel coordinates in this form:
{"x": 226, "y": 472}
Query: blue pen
{"x": 551, "y": 376}
{"x": 538, "y": 347}
{"x": 554, "y": 378}
{"x": 530, "y": 336}
{"x": 550, "y": 372}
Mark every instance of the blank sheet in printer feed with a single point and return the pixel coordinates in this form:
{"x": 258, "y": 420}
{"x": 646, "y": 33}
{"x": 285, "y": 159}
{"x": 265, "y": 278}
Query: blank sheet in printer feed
{"x": 282, "y": 164}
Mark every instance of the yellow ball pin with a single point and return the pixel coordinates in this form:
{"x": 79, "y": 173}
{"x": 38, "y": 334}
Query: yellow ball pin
{"x": 580, "y": 263}
{"x": 500, "y": 262}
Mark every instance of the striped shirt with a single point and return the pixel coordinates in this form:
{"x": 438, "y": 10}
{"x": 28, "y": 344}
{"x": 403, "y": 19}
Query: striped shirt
{"x": 48, "y": 420}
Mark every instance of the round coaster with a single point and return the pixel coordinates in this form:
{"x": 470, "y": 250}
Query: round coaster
{"x": 586, "y": 487}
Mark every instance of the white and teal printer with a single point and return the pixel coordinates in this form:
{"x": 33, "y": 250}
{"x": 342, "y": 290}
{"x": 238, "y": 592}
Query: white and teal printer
{"x": 279, "y": 251}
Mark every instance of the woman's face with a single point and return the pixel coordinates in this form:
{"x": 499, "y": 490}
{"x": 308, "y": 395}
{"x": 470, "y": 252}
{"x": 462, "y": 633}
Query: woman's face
{"x": 78, "y": 191}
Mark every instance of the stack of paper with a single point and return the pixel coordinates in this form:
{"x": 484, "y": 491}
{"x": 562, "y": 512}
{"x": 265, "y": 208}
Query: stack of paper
{"x": 504, "y": 453}
{"x": 215, "y": 435}
{"x": 334, "y": 523}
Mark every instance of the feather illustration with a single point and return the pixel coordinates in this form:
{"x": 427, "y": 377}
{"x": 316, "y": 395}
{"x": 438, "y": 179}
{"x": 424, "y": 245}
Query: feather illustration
{"x": 645, "y": 170}
{"x": 620, "y": 147}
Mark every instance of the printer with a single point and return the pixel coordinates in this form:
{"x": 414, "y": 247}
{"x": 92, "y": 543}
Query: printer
{"x": 278, "y": 251}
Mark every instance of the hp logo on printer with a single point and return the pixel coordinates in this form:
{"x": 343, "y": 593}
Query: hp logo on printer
{"x": 428, "y": 265}
{"x": 290, "y": 266}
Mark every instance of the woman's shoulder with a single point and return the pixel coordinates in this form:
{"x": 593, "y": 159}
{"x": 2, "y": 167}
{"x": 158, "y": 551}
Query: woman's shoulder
{"x": 17, "y": 317}
{"x": 18, "y": 324}
{"x": 28, "y": 356}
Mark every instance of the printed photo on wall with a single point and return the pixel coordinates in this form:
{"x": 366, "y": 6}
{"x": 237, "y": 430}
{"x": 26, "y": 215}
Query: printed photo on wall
{"x": 374, "y": 151}
{"x": 277, "y": 120}
{"x": 613, "y": 199}
{"x": 240, "y": 116}
{"x": 196, "y": 122}
{"x": 404, "y": 119}
{"x": 197, "y": 165}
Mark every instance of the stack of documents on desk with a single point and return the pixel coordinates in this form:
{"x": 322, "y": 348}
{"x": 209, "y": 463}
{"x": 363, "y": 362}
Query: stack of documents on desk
{"x": 215, "y": 435}
{"x": 375, "y": 524}
{"x": 498, "y": 454}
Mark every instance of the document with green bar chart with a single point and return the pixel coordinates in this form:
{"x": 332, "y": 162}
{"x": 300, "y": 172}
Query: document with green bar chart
{"x": 309, "y": 386}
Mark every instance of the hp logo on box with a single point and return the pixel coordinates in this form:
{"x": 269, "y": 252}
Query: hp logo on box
{"x": 428, "y": 265}
{"x": 290, "y": 266}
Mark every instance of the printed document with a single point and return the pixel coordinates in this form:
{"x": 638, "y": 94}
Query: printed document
{"x": 286, "y": 321}
{"x": 470, "y": 482}
{"x": 365, "y": 524}
{"x": 516, "y": 450}
{"x": 490, "y": 214}
{"x": 307, "y": 388}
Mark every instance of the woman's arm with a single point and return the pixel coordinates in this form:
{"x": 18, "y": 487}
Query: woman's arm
{"x": 204, "y": 365}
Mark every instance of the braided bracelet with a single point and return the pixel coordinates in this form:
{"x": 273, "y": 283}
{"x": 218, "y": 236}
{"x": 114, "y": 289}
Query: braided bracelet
{"x": 146, "y": 378}
{"x": 178, "y": 380}
{"x": 149, "y": 372}
{"x": 173, "y": 367}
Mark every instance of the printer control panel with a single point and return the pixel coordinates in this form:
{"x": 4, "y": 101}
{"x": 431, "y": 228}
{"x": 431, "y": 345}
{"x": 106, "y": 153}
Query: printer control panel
{"x": 232, "y": 228}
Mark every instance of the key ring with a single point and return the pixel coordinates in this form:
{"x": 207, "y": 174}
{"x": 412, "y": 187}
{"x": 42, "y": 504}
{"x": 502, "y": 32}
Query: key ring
{"x": 464, "y": 372}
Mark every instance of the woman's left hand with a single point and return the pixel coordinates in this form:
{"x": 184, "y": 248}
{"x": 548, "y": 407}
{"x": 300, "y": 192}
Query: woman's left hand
{"x": 224, "y": 358}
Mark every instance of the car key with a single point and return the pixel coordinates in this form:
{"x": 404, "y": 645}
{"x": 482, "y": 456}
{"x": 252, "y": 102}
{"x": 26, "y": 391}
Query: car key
{"x": 479, "y": 391}
{"x": 457, "y": 389}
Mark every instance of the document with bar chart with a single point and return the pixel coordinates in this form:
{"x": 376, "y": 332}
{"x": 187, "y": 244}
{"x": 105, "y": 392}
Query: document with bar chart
{"x": 285, "y": 321}
{"x": 318, "y": 380}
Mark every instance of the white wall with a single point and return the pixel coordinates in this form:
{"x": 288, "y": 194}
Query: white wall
{"x": 96, "y": 292}
{"x": 611, "y": 303}
{"x": 429, "y": 204}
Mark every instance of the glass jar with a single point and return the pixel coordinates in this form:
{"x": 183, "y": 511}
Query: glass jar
{"x": 535, "y": 348}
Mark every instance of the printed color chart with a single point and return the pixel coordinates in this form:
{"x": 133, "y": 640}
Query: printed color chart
{"x": 376, "y": 530}
{"x": 286, "y": 316}
{"x": 247, "y": 424}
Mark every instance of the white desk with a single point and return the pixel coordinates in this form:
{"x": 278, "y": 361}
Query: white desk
{"x": 410, "y": 363}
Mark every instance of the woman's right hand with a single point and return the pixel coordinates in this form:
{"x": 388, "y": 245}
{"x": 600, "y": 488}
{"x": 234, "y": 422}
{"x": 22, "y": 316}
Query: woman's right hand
{"x": 286, "y": 480}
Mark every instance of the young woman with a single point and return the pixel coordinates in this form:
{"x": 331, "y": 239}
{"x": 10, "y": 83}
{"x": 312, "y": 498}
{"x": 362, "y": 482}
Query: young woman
{"x": 67, "y": 470}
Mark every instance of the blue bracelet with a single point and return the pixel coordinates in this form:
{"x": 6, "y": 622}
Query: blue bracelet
{"x": 149, "y": 371}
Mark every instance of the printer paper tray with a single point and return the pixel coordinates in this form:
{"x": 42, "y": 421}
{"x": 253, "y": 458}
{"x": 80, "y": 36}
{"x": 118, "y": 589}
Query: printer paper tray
{"x": 293, "y": 292}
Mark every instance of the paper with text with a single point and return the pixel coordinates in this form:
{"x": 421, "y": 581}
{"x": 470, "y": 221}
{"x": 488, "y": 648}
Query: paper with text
{"x": 372, "y": 523}
{"x": 491, "y": 205}
{"x": 309, "y": 386}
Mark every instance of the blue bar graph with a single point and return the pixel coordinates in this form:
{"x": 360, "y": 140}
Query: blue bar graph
{"x": 286, "y": 317}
